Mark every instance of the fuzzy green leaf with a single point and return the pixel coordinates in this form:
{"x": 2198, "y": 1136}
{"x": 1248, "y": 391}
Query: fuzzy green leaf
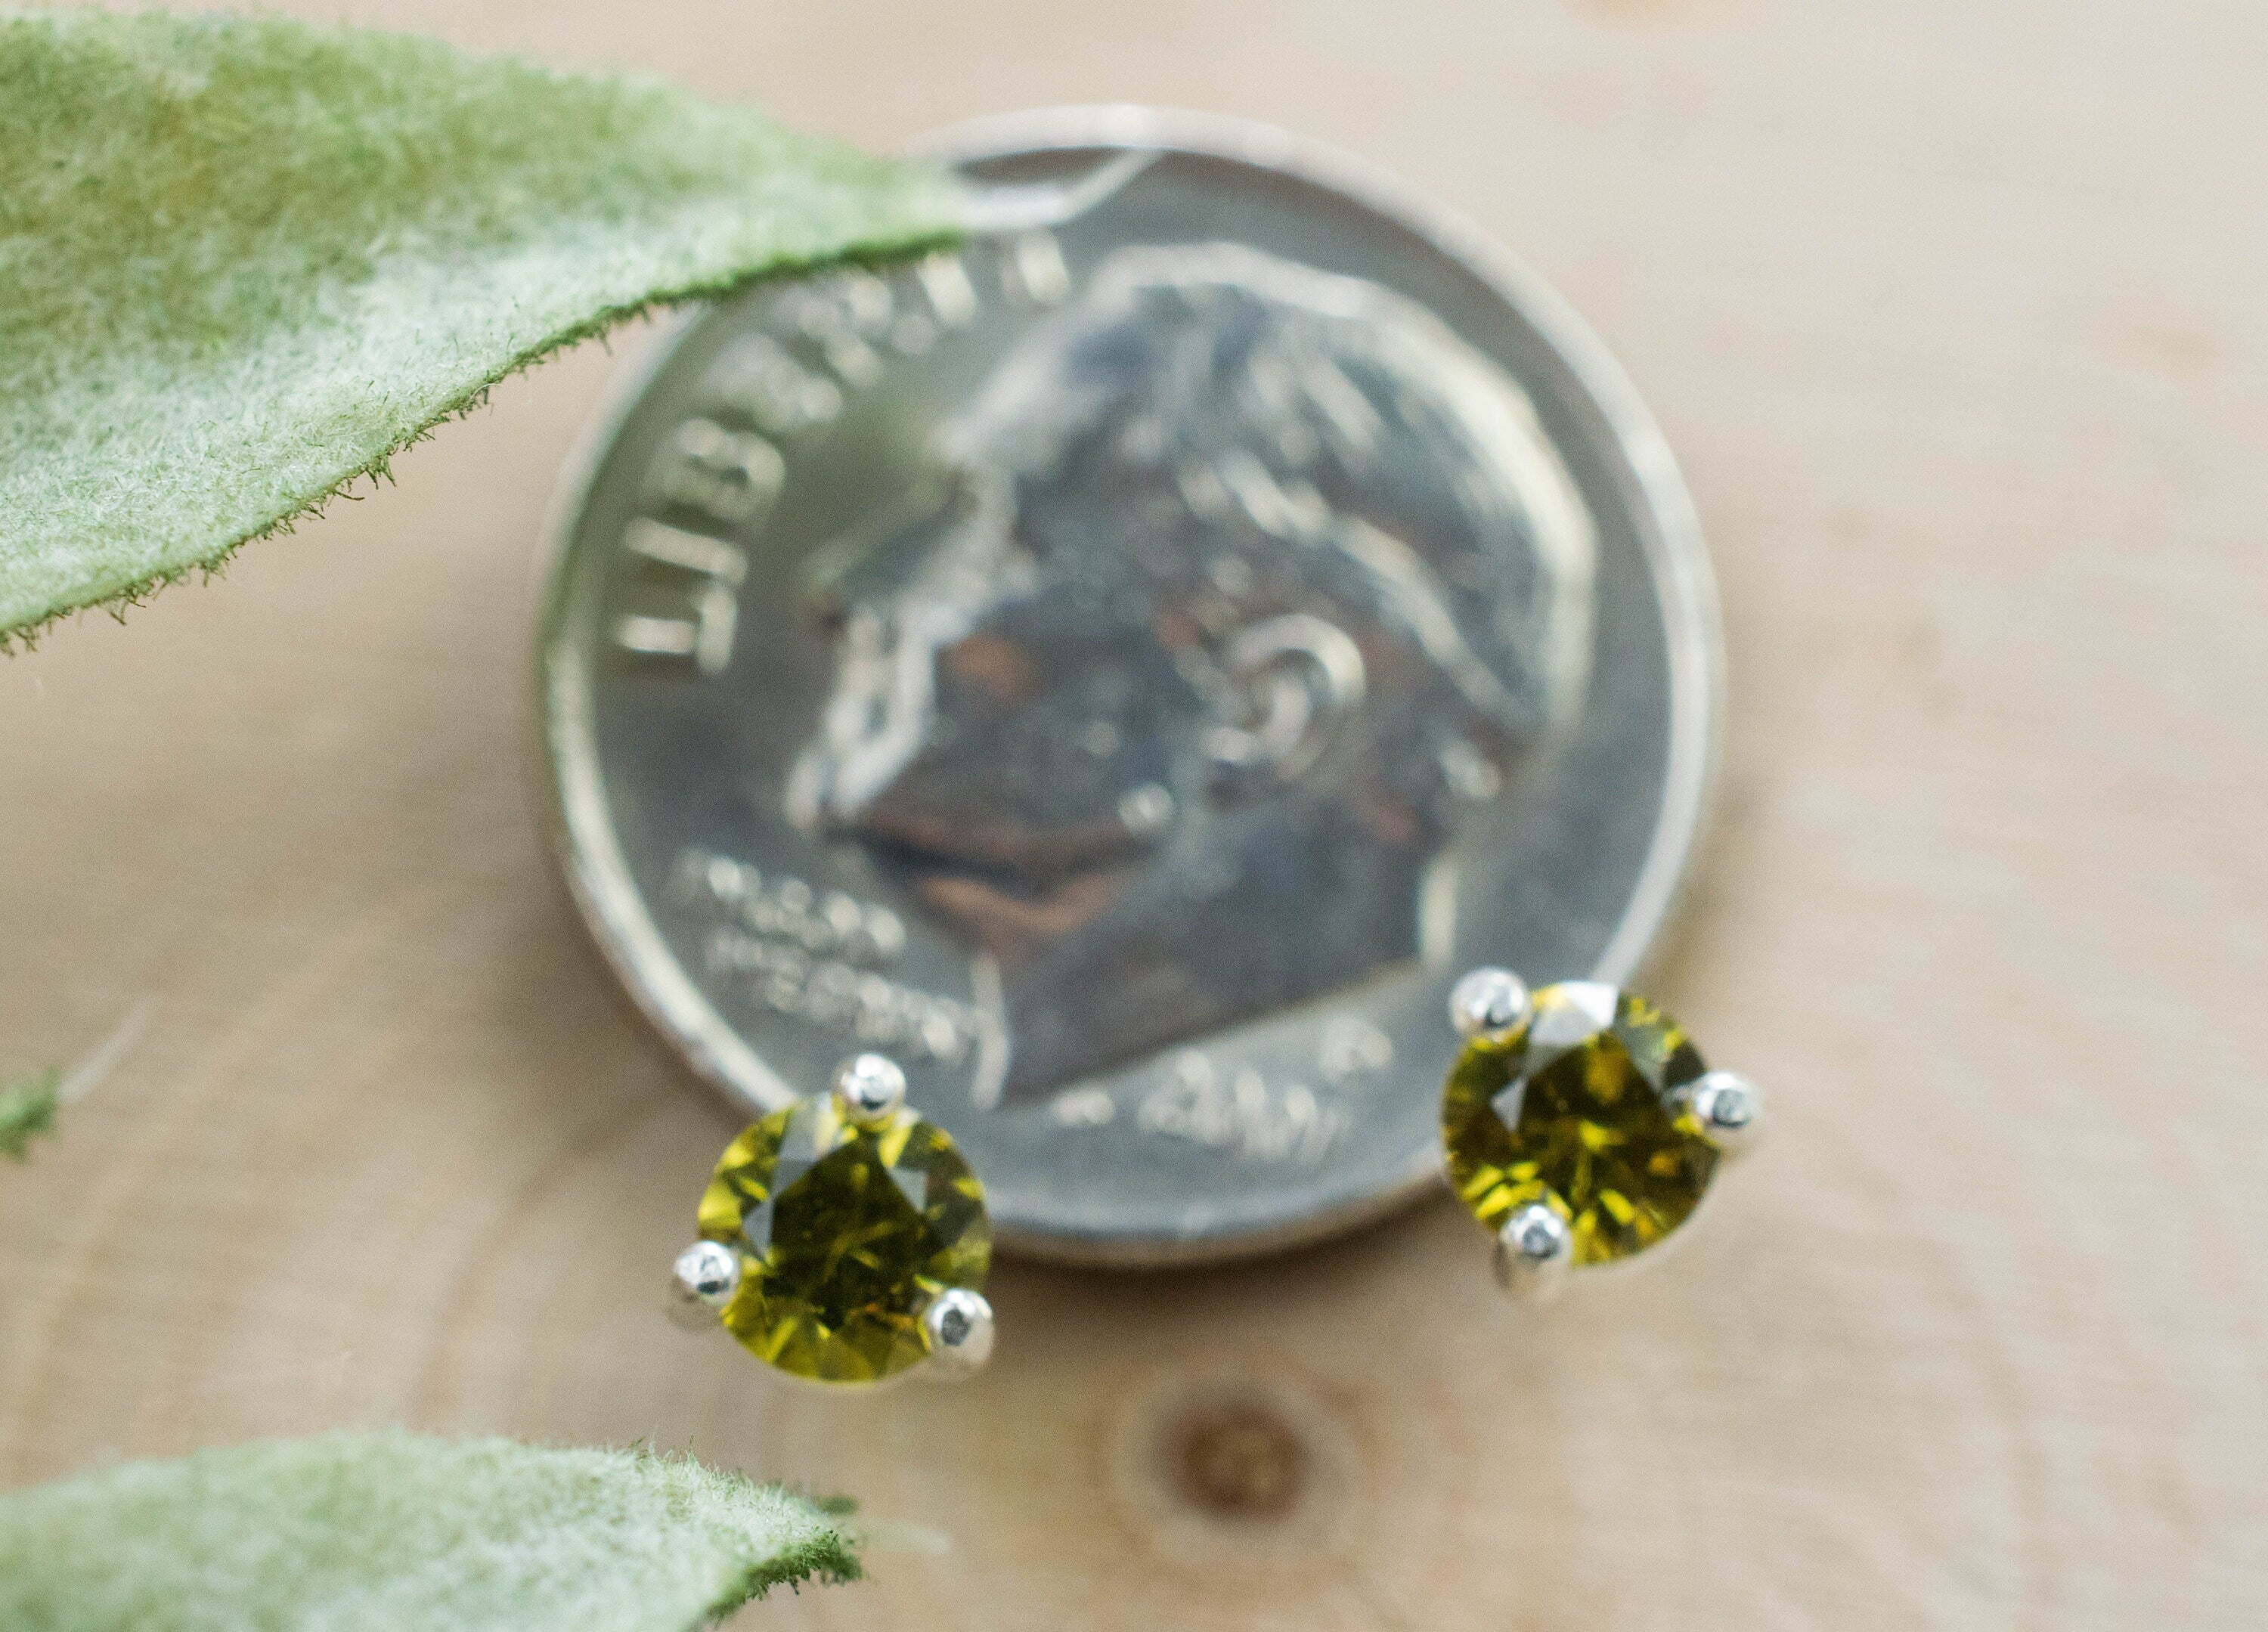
{"x": 382, "y": 1532}
{"x": 244, "y": 261}
{"x": 27, "y": 1112}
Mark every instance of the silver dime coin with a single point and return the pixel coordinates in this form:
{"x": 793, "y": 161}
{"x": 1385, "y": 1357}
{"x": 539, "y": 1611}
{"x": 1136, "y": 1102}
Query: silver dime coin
{"x": 1126, "y": 668}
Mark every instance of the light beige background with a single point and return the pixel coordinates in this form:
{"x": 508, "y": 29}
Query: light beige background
{"x": 1957, "y": 314}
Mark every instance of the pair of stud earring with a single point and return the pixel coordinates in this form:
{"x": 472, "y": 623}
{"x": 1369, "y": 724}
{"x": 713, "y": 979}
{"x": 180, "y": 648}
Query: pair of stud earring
{"x": 844, "y": 1239}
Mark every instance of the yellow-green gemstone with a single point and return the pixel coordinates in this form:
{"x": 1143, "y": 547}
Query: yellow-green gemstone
{"x": 1575, "y": 1109}
{"x": 844, "y": 1234}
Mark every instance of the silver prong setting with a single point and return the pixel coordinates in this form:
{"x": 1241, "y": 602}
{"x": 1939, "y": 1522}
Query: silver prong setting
{"x": 1535, "y": 1250}
{"x": 869, "y": 1088}
{"x": 703, "y": 1282}
{"x": 957, "y": 1326}
{"x": 1489, "y": 1005}
{"x": 1729, "y": 1108}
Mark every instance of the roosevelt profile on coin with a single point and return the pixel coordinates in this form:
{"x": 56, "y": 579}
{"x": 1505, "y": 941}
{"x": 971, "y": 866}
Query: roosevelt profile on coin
{"x": 1236, "y": 595}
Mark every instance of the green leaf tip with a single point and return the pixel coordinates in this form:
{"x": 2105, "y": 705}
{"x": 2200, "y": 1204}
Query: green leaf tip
{"x": 27, "y": 1112}
{"x": 376, "y": 1532}
{"x": 244, "y": 261}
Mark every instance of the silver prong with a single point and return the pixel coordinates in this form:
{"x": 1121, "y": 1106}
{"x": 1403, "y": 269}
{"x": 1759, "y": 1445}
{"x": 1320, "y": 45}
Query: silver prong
{"x": 1729, "y": 1108}
{"x": 1488, "y": 1003}
{"x": 703, "y": 1282}
{"x": 1533, "y": 1252}
{"x": 869, "y": 1088}
{"x": 958, "y": 1328}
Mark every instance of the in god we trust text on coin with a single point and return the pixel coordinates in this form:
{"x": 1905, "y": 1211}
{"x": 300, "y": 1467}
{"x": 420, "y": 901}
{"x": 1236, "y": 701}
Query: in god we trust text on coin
{"x": 1124, "y": 670}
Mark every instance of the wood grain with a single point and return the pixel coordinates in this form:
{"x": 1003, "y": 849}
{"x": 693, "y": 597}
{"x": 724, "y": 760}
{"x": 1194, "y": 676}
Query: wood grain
{"x": 1954, "y": 314}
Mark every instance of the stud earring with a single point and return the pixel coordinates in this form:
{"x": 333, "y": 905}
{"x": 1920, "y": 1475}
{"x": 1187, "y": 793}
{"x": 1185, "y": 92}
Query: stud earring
{"x": 844, "y": 1239}
{"x": 1579, "y": 1125}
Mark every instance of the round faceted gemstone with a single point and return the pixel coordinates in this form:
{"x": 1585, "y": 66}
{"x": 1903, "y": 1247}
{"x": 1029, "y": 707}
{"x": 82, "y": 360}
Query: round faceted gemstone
{"x": 845, "y": 1232}
{"x": 1577, "y": 1109}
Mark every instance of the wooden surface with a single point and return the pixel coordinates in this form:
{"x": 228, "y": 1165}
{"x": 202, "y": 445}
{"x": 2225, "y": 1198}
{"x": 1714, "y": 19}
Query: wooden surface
{"x": 1954, "y": 313}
